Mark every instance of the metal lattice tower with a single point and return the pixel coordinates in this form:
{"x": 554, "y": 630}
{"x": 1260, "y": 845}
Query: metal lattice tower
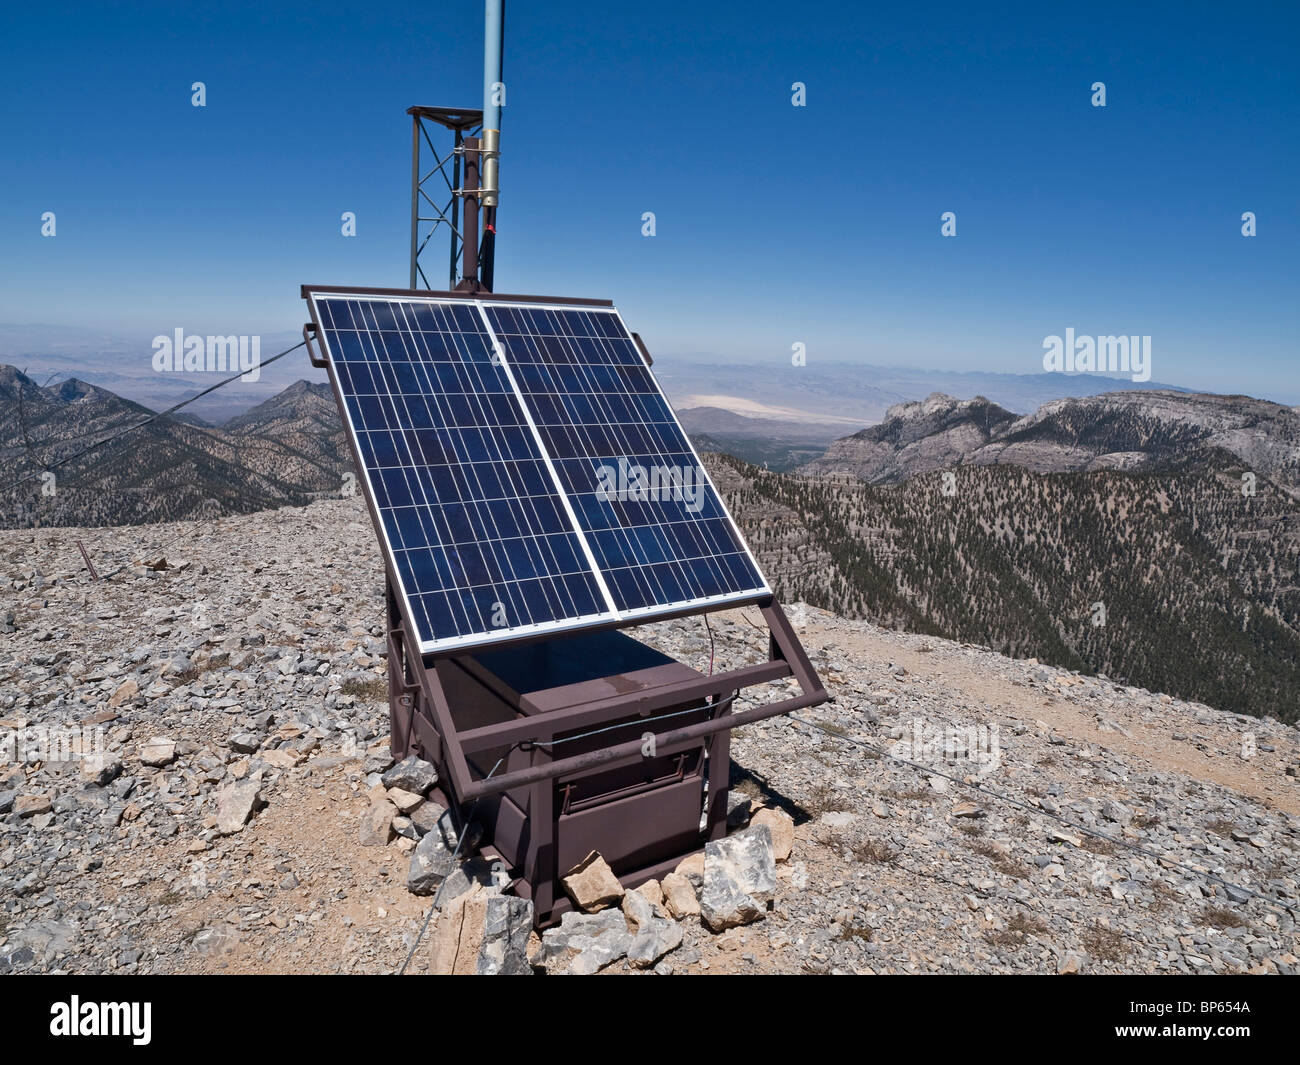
{"x": 440, "y": 180}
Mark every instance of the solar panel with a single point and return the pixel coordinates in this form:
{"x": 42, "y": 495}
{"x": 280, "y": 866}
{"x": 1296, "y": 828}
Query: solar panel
{"x": 479, "y": 538}
{"x": 525, "y": 469}
{"x": 655, "y": 525}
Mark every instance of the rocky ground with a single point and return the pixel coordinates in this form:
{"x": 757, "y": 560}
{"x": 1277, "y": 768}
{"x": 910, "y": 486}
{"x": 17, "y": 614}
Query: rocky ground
{"x": 234, "y": 807}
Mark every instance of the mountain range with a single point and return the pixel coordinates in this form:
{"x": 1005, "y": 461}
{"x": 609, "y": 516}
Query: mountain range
{"x": 1151, "y": 536}
{"x": 288, "y": 450}
{"x": 734, "y": 408}
{"x": 1117, "y": 430}
{"x": 123, "y": 365}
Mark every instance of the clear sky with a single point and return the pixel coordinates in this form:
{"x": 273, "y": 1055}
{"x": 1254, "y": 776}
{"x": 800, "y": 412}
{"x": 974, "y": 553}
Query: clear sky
{"x": 775, "y": 224}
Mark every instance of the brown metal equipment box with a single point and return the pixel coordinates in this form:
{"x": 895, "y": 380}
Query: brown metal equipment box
{"x": 584, "y": 742}
{"x": 642, "y": 818}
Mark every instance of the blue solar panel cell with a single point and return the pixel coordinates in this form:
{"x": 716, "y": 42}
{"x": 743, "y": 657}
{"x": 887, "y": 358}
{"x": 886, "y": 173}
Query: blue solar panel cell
{"x": 526, "y": 470}
{"x": 651, "y": 517}
{"x": 480, "y": 539}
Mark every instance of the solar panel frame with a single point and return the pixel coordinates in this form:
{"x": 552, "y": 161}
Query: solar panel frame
{"x": 608, "y": 618}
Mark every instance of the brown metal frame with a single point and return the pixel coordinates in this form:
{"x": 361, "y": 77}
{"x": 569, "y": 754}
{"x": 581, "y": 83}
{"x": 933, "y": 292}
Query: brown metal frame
{"x": 786, "y": 658}
{"x": 422, "y": 722}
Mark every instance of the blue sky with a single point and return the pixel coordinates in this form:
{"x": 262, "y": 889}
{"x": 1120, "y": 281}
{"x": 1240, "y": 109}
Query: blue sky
{"x": 775, "y": 224}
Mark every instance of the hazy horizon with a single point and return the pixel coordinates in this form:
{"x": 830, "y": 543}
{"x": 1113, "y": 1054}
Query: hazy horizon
{"x": 681, "y": 375}
{"x": 1124, "y": 219}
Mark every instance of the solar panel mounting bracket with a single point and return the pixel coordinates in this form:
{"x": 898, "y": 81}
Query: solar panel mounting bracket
{"x": 310, "y": 330}
{"x": 640, "y": 346}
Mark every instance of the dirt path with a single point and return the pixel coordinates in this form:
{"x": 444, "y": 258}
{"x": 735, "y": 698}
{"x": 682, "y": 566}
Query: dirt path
{"x": 1209, "y": 754}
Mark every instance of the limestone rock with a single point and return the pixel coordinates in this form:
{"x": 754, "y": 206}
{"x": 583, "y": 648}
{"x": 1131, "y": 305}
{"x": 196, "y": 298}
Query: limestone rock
{"x": 404, "y": 800}
{"x": 680, "y": 899}
{"x": 101, "y": 769}
{"x": 781, "y": 825}
{"x": 377, "y": 825}
{"x": 158, "y": 752}
{"x": 283, "y": 758}
{"x": 638, "y": 909}
{"x": 591, "y": 940}
{"x": 125, "y": 691}
{"x": 245, "y": 742}
{"x": 652, "y": 892}
{"x": 429, "y": 816}
{"x": 1113, "y": 810}
{"x": 215, "y": 941}
{"x": 431, "y": 862}
{"x": 482, "y": 933}
{"x": 468, "y": 874}
{"x": 592, "y": 884}
{"x": 235, "y": 805}
{"x": 739, "y": 878}
{"x": 652, "y": 941}
{"x": 411, "y": 774}
{"x": 32, "y": 805}
{"x": 692, "y": 867}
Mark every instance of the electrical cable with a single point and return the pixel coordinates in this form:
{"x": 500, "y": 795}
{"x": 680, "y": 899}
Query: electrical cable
{"x": 148, "y": 420}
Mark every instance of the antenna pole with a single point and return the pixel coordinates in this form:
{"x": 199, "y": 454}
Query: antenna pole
{"x": 494, "y": 17}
